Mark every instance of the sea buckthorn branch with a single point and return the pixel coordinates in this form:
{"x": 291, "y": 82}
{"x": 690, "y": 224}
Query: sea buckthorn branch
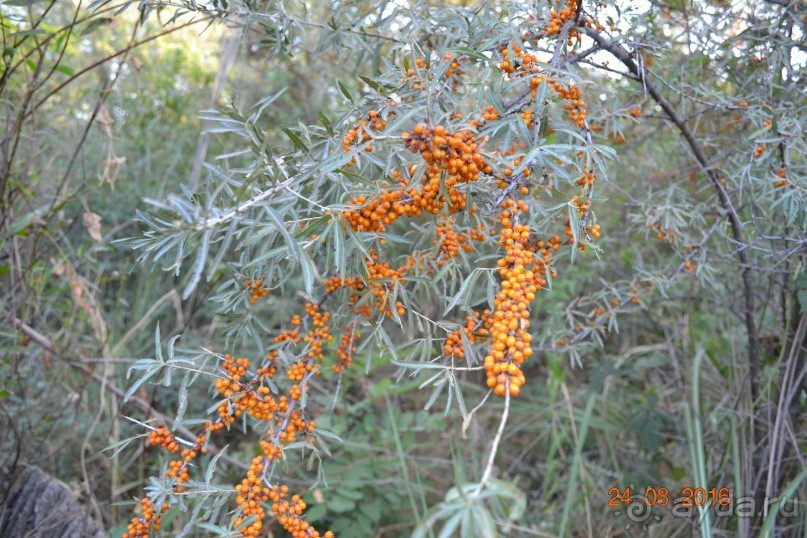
{"x": 453, "y": 153}
{"x": 428, "y": 150}
{"x": 526, "y": 65}
{"x": 522, "y": 276}
{"x": 712, "y": 174}
{"x": 209, "y": 223}
{"x": 452, "y": 161}
{"x": 505, "y": 375}
{"x": 525, "y": 97}
{"x": 245, "y": 392}
{"x": 558, "y": 26}
{"x": 176, "y": 473}
{"x": 511, "y": 342}
{"x": 453, "y": 340}
{"x": 135, "y": 401}
{"x": 598, "y": 323}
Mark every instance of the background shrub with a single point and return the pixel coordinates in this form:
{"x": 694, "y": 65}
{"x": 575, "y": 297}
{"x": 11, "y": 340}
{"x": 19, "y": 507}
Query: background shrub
{"x": 248, "y": 150}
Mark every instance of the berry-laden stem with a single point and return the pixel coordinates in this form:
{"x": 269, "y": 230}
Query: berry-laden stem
{"x": 246, "y": 393}
{"x": 453, "y": 162}
{"x": 252, "y": 491}
{"x": 522, "y": 274}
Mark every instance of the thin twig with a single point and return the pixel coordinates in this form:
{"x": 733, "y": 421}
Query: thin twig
{"x": 220, "y": 12}
{"x": 495, "y": 446}
{"x": 141, "y": 404}
{"x": 126, "y": 50}
{"x": 258, "y": 198}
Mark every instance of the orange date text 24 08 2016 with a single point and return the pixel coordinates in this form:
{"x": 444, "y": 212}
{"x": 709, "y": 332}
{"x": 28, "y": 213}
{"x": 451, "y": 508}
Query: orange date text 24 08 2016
{"x": 683, "y": 497}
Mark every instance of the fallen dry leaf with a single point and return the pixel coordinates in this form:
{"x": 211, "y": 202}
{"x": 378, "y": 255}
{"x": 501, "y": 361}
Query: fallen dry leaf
{"x": 92, "y": 221}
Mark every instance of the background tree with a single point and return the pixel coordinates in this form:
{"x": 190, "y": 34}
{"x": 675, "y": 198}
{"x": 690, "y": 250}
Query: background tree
{"x": 425, "y": 203}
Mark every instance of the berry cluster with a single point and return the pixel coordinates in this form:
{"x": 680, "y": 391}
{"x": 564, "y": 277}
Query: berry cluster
{"x": 250, "y": 493}
{"x": 376, "y": 214}
{"x": 665, "y": 236}
{"x": 558, "y": 18}
{"x": 587, "y": 179}
{"x": 347, "y": 347}
{"x": 289, "y": 513}
{"x": 177, "y": 470}
{"x": 256, "y": 290}
{"x": 522, "y": 276}
{"x": 575, "y": 106}
{"x": 315, "y": 337}
{"x": 363, "y": 133}
{"x": 490, "y": 113}
{"x": 452, "y": 243}
{"x": 411, "y": 77}
{"x": 526, "y": 65}
{"x": 139, "y": 526}
{"x": 522, "y": 65}
{"x": 452, "y": 73}
{"x": 455, "y": 154}
{"x": 454, "y": 68}
{"x": 781, "y": 182}
{"x": 582, "y": 206}
{"x": 245, "y": 393}
{"x": 381, "y": 280}
{"x": 476, "y": 328}
{"x": 528, "y": 117}
{"x": 162, "y": 436}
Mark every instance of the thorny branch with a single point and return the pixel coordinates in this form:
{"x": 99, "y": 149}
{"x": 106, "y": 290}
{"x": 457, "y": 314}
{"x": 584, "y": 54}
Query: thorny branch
{"x": 712, "y": 174}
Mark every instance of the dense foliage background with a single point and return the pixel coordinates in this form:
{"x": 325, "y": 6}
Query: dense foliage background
{"x": 157, "y": 158}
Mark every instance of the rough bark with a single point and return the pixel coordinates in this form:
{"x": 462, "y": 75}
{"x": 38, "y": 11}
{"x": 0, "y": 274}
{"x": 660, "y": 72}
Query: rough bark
{"x": 37, "y": 505}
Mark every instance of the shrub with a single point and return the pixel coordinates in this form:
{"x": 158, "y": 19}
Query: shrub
{"x": 461, "y": 180}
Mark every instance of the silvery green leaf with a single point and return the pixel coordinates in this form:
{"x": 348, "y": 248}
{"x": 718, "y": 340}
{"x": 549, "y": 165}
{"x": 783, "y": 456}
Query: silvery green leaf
{"x": 291, "y": 244}
{"x": 199, "y": 266}
{"x": 438, "y": 388}
{"x": 211, "y": 468}
{"x": 148, "y": 375}
{"x": 462, "y": 295}
{"x": 183, "y": 402}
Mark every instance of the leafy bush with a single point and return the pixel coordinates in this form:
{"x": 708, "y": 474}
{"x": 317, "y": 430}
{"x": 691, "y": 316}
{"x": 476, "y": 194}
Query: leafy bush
{"x": 598, "y": 206}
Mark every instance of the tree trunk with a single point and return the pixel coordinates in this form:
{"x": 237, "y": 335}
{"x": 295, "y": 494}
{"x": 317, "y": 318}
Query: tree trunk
{"x": 36, "y": 505}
